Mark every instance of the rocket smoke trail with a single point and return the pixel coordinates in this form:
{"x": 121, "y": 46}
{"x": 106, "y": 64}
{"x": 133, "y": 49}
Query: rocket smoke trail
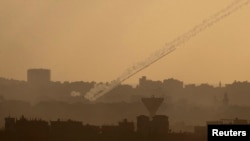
{"x": 100, "y": 89}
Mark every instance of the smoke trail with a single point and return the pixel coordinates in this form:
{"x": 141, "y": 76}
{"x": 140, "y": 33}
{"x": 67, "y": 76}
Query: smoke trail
{"x": 100, "y": 89}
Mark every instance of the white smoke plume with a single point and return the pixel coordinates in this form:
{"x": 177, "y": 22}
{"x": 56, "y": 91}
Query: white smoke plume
{"x": 100, "y": 89}
{"x": 75, "y": 94}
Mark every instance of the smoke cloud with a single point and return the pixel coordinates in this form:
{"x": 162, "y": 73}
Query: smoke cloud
{"x": 75, "y": 94}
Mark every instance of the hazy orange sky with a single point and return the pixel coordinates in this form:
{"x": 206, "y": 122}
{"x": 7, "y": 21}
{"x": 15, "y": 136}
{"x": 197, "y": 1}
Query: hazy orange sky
{"x": 96, "y": 40}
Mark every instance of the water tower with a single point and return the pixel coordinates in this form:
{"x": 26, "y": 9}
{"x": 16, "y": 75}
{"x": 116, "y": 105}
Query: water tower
{"x": 152, "y": 104}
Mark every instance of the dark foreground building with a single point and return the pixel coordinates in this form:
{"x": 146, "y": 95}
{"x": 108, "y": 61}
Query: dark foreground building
{"x": 147, "y": 129}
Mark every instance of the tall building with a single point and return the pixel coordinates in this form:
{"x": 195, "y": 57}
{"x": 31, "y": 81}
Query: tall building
{"x": 158, "y": 126}
{"x": 143, "y": 124}
{"x": 10, "y": 124}
{"x": 38, "y": 76}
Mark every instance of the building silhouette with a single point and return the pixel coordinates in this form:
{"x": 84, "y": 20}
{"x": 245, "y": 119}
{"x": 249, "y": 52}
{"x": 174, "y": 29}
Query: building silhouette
{"x": 148, "y": 129}
{"x": 229, "y": 121}
{"x": 38, "y": 76}
{"x": 157, "y": 126}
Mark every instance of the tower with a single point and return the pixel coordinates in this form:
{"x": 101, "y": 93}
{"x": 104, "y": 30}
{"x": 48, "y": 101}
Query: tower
{"x": 38, "y": 76}
{"x": 152, "y": 104}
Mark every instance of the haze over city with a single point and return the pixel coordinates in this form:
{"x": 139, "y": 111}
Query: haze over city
{"x": 98, "y": 40}
{"x": 67, "y": 69}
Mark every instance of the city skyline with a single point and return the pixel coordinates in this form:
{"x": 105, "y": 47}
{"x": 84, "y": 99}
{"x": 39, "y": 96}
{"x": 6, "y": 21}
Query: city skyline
{"x": 27, "y": 79}
{"x": 97, "y": 41}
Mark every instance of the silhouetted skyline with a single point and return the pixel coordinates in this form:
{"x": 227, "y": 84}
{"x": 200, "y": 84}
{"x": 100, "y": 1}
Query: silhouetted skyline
{"x": 57, "y": 57}
{"x": 50, "y": 100}
{"x": 145, "y": 128}
{"x": 97, "y": 41}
